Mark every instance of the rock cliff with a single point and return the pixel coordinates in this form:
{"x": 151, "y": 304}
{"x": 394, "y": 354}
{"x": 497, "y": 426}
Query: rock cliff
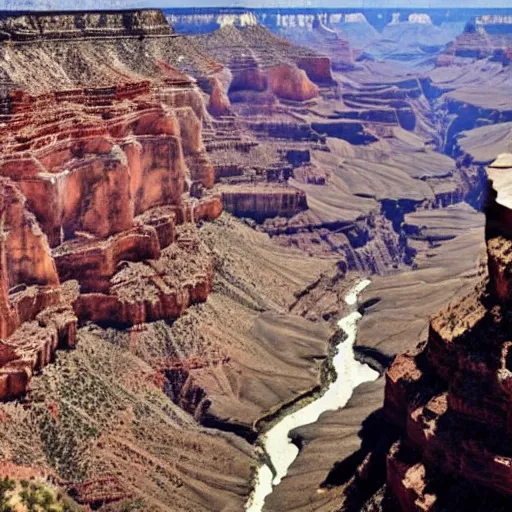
{"x": 102, "y": 164}
{"x": 36, "y": 314}
{"x": 258, "y": 59}
{"x": 450, "y": 398}
{"x": 78, "y": 25}
{"x": 323, "y": 39}
{"x": 475, "y": 43}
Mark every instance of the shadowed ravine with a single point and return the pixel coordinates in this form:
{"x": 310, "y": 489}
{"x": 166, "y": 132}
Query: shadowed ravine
{"x": 349, "y": 374}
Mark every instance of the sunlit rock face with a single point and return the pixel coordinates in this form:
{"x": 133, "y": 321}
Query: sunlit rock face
{"x": 70, "y": 26}
{"x": 291, "y": 84}
{"x": 260, "y": 61}
{"x": 419, "y": 18}
{"x": 358, "y": 17}
{"x": 193, "y": 21}
{"x": 219, "y": 104}
{"x": 494, "y": 23}
{"x": 99, "y": 152}
{"x": 35, "y": 312}
{"x": 242, "y": 20}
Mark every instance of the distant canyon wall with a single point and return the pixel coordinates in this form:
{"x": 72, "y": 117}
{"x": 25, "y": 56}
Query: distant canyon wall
{"x": 206, "y": 19}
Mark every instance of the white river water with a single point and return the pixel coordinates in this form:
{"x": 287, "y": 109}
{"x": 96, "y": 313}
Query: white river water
{"x": 350, "y": 374}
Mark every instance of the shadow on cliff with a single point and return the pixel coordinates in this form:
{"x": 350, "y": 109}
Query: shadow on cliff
{"x": 373, "y": 357}
{"x": 364, "y": 472}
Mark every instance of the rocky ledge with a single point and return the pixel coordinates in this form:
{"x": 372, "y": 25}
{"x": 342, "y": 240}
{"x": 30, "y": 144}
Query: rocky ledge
{"x": 134, "y": 23}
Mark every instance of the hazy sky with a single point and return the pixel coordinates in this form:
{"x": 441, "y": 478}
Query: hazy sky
{"x": 343, "y": 3}
{"x": 334, "y": 3}
{"x": 95, "y": 4}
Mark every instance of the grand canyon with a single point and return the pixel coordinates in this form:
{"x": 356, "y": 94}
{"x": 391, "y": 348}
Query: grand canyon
{"x": 255, "y": 259}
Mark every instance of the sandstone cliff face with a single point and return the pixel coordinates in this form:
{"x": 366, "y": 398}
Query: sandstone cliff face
{"x": 263, "y": 202}
{"x": 89, "y": 25}
{"x": 26, "y": 251}
{"x": 152, "y": 289}
{"x": 219, "y": 104}
{"x": 291, "y": 84}
{"x": 96, "y": 177}
{"x": 451, "y": 398}
{"x": 35, "y": 311}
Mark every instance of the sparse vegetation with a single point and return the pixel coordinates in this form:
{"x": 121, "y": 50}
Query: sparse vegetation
{"x": 452, "y": 320}
{"x": 32, "y": 496}
{"x": 132, "y": 506}
{"x": 6, "y": 486}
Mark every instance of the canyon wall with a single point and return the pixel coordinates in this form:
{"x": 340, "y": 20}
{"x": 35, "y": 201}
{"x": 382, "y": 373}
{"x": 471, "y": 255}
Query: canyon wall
{"x": 450, "y": 399}
{"x": 102, "y": 167}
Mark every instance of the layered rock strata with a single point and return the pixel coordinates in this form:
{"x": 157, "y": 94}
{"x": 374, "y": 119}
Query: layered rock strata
{"x": 259, "y": 61}
{"x": 323, "y": 39}
{"x": 475, "y": 43}
{"x": 450, "y": 399}
{"x": 266, "y": 140}
{"x": 85, "y": 25}
{"x": 262, "y": 202}
{"x": 474, "y": 60}
{"x": 102, "y": 163}
{"x": 36, "y": 316}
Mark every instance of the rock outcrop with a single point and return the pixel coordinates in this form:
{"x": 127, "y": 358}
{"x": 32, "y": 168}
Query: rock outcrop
{"x": 293, "y": 84}
{"x": 476, "y": 43}
{"x": 84, "y": 24}
{"x": 450, "y": 399}
{"x": 36, "y": 316}
{"x": 322, "y": 39}
{"x": 259, "y": 60}
{"x": 153, "y": 288}
{"x": 263, "y": 202}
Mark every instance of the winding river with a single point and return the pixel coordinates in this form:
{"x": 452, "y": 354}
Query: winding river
{"x": 349, "y": 374}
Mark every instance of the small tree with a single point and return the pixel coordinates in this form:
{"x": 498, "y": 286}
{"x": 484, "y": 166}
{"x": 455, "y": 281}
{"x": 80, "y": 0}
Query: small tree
{"x": 6, "y": 485}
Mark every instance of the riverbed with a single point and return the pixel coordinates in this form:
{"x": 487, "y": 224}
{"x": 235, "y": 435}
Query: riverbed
{"x": 349, "y": 374}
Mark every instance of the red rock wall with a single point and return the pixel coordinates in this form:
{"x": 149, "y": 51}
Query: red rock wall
{"x": 93, "y": 202}
{"x": 27, "y": 254}
{"x": 318, "y": 69}
{"x": 291, "y": 83}
{"x": 260, "y": 203}
{"x": 35, "y": 314}
{"x": 219, "y": 104}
